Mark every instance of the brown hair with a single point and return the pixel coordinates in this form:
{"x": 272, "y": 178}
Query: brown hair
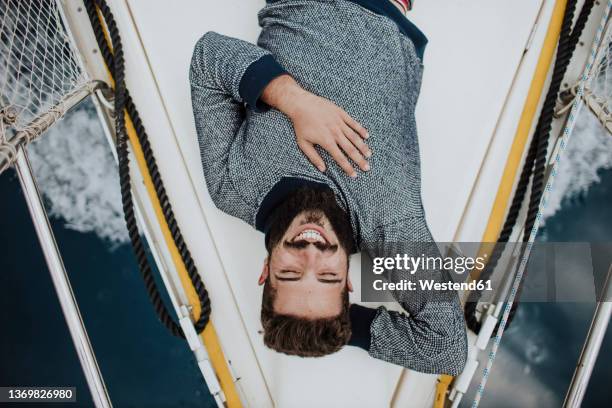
{"x": 300, "y": 336}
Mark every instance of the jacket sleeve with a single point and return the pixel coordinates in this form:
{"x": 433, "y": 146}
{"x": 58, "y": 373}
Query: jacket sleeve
{"x": 431, "y": 337}
{"x": 225, "y": 75}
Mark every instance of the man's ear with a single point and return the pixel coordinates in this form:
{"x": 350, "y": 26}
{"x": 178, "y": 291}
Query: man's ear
{"x": 265, "y": 271}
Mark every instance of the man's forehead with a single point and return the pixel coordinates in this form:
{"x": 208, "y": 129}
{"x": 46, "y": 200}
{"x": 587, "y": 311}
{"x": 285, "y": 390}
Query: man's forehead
{"x": 299, "y": 300}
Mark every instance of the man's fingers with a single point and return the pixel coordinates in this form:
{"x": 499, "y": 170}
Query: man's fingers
{"x": 312, "y": 154}
{"x": 342, "y": 161}
{"x": 356, "y": 126}
{"x": 355, "y": 155}
{"x": 357, "y": 142}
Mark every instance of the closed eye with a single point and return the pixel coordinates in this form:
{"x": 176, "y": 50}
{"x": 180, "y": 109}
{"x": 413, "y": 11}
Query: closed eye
{"x": 287, "y": 275}
{"x": 328, "y": 277}
{"x": 330, "y": 280}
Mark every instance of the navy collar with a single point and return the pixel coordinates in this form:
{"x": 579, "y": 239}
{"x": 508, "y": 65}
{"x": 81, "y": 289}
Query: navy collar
{"x": 277, "y": 195}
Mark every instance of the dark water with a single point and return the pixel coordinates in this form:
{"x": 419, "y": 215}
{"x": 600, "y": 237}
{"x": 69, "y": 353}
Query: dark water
{"x": 144, "y": 366}
{"x": 545, "y": 339}
{"x": 586, "y": 218}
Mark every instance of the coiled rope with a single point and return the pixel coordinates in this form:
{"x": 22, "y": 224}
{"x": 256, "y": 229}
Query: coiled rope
{"x": 113, "y": 57}
{"x": 534, "y": 167}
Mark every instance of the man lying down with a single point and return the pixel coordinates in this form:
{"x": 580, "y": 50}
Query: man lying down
{"x": 310, "y": 137}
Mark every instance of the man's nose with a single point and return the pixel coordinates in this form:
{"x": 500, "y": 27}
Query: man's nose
{"x": 312, "y": 253}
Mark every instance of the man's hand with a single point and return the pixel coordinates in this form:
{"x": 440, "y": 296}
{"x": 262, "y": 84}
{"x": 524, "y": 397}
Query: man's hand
{"x": 318, "y": 121}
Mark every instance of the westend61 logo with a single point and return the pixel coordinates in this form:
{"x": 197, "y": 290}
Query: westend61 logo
{"x": 404, "y": 263}
{"x": 551, "y": 271}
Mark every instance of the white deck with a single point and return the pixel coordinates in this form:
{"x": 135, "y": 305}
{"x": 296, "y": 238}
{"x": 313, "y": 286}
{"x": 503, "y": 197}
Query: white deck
{"x": 466, "y": 117}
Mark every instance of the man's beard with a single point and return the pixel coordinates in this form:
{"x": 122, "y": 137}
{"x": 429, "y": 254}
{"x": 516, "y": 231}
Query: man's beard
{"x": 316, "y": 203}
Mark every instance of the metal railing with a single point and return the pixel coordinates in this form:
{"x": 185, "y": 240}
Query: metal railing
{"x": 13, "y": 152}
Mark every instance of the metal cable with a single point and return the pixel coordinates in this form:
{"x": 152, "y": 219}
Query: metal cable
{"x": 113, "y": 58}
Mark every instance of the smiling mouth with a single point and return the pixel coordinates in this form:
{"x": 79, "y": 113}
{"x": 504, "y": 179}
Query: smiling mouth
{"x": 312, "y": 234}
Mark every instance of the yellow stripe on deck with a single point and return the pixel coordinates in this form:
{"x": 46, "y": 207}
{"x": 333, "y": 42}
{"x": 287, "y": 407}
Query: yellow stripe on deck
{"x": 209, "y": 335}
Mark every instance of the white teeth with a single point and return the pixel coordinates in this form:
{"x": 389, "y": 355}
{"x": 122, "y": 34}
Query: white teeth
{"x": 310, "y": 235}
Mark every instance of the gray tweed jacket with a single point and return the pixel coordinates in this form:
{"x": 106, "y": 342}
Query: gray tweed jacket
{"x": 359, "y": 60}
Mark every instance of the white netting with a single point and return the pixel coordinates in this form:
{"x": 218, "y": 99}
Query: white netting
{"x": 37, "y": 69}
{"x": 38, "y": 66}
{"x": 598, "y": 93}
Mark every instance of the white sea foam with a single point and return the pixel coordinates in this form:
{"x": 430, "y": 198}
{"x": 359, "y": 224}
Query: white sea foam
{"x": 588, "y": 152}
{"x": 78, "y": 176}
